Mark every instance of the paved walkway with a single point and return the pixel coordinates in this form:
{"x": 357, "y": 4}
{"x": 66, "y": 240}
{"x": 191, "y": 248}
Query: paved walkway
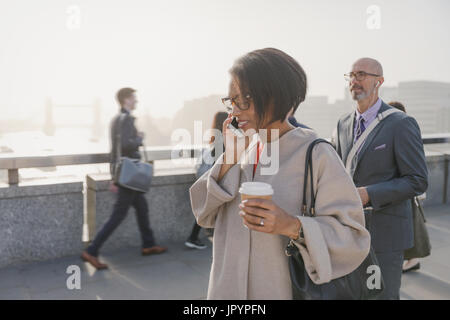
{"x": 432, "y": 281}
{"x": 183, "y": 273}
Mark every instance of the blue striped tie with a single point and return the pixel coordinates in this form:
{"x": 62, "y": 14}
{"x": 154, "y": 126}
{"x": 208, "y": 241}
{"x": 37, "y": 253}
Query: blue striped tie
{"x": 359, "y": 129}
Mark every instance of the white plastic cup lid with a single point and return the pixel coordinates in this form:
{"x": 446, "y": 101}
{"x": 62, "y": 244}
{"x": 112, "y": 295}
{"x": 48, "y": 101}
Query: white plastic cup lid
{"x": 256, "y": 189}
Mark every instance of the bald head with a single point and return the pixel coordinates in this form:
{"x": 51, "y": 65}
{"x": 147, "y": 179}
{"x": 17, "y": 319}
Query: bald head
{"x": 365, "y": 79}
{"x": 369, "y": 65}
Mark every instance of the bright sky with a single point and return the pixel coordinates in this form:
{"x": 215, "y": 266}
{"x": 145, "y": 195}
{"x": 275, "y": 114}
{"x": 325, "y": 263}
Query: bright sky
{"x": 176, "y": 50}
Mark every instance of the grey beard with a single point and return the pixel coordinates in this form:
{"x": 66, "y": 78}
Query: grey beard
{"x": 360, "y": 96}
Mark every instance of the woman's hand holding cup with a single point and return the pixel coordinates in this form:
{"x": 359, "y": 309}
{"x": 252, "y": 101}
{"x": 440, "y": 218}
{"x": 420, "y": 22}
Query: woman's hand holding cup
{"x": 260, "y": 213}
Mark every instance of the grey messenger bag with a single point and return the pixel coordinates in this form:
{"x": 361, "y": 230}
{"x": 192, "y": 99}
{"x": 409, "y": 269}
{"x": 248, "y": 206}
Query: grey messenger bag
{"x": 131, "y": 173}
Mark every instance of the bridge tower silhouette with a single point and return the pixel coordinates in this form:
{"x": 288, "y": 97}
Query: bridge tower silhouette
{"x": 50, "y": 125}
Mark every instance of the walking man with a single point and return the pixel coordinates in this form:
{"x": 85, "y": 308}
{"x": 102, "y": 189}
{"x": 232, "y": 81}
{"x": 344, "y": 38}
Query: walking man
{"x": 130, "y": 142}
{"x": 389, "y": 169}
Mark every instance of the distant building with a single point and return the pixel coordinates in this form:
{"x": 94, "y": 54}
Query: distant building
{"x": 389, "y": 93}
{"x": 312, "y": 112}
{"x": 201, "y": 109}
{"x": 428, "y": 102}
{"x": 317, "y": 113}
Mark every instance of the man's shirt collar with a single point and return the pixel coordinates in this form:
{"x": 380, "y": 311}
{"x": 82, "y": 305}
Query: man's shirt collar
{"x": 370, "y": 113}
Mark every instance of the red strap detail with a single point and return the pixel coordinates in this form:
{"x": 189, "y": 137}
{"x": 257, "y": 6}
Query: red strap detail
{"x": 258, "y": 154}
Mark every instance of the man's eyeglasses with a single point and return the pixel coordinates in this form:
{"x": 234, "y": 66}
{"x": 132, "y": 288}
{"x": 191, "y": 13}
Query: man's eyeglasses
{"x": 243, "y": 105}
{"x": 359, "y": 75}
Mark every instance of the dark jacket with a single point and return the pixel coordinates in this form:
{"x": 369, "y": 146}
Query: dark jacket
{"x": 209, "y": 157}
{"x": 392, "y": 165}
{"x": 130, "y": 141}
{"x": 294, "y": 122}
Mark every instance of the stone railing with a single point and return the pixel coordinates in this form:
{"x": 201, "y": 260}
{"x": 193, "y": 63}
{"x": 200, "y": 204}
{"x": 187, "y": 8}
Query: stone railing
{"x": 14, "y": 164}
{"x": 49, "y": 220}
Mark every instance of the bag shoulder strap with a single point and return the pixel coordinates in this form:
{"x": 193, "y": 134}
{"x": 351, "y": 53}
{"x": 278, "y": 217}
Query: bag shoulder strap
{"x": 365, "y": 134}
{"x": 416, "y": 202}
{"x": 308, "y": 167}
{"x": 119, "y": 121}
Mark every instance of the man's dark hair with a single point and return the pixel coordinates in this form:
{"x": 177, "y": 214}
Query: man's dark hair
{"x": 124, "y": 93}
{"x": 271, "y": 78}
{"x": 218, "y": 120}
{"x": 397, "y": 105}
{"x": 217, "y": 124}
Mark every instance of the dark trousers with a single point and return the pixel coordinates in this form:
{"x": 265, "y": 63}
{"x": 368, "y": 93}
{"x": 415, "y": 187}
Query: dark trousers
{"x": 195, "y": 231}
{"x": 391, "y": 264}
{"x": 125, "y": 199}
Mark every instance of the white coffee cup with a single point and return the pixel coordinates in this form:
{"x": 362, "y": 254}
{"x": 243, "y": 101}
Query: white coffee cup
{"x": 252, "y": 190}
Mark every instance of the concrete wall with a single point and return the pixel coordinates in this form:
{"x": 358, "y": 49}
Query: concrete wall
{"x": 40, "y": 222}
{"x": 447, "y": 173}
{"x": 436, "y": 163}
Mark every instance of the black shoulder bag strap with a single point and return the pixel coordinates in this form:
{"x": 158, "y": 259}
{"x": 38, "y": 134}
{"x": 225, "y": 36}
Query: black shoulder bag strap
{"x": 302, "y": 286}
{"x": 118, "y": 154}
{"x": 309, "y": 167}
{"x": 120, "y": 120}
{"x": 290, "y": 249}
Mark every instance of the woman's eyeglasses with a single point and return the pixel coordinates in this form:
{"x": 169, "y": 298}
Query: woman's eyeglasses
{"x": 230, "y": 102}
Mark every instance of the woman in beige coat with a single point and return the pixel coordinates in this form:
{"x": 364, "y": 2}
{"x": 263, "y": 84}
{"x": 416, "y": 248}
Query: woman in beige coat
{"x": 250, "y": 237}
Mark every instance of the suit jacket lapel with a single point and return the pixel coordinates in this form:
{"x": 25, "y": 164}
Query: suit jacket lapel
{"x": 347, "y": 138}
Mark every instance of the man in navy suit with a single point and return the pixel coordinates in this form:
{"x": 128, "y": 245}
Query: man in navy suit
{"x": 389, "y": 169}
{"x": 130, "y": 141}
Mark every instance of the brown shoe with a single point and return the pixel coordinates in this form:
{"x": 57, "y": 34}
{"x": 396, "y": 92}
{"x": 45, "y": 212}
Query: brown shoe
{"x": 153, "y": 250}
{"x": 93, "y": 261}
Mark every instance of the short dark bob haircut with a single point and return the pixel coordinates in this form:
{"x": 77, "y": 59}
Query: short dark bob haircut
{"x": 271, "y": 77}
